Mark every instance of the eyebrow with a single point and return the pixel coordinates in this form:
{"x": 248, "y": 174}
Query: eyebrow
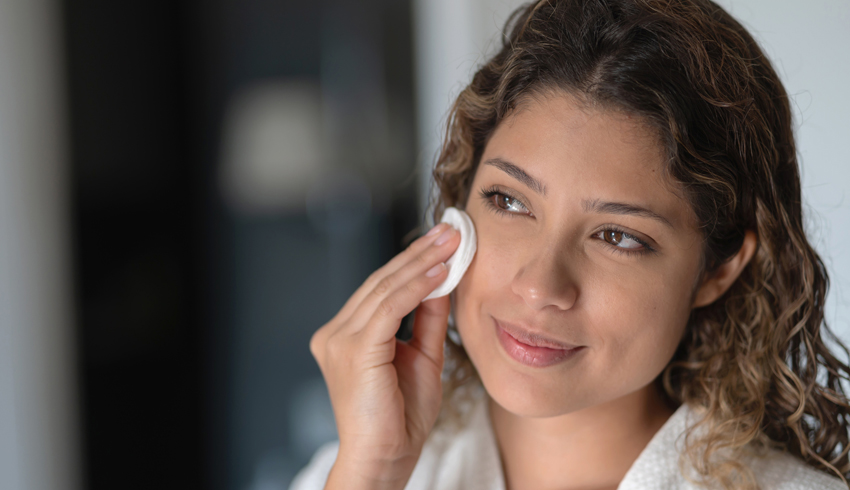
{"x": 608, "y": 207}
{"x": 517, "y": 173}
{"x": 588, "y": 205}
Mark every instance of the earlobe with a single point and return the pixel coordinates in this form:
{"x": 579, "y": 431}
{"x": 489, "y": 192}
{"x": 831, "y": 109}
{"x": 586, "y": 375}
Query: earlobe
{"x": 722, "y": 279}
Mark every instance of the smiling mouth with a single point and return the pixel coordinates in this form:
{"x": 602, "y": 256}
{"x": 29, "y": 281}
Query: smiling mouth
{"x": 532, "y": 350}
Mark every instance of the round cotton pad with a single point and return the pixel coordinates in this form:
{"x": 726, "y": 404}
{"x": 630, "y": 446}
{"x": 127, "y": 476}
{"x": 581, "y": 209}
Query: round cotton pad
{"x": 460, "y": 260}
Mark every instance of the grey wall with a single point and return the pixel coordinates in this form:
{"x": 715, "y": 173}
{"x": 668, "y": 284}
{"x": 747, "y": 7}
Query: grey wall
{"x": 38, "y": 433}
{"x": 808, "y": 43}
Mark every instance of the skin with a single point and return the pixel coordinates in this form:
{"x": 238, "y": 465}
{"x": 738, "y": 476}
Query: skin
{"x": 576, "y": 424}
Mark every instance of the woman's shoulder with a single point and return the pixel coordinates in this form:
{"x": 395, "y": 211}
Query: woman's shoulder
{"x": 658, "y": 465}
{"x": 778, "y": 470}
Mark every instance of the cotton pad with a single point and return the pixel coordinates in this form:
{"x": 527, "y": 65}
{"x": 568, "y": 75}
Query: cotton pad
{"x": 460, "y": 260}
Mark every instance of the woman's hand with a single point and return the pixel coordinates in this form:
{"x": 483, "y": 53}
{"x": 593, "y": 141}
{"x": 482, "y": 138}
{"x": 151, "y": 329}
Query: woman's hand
{"x": 386, "y": 393}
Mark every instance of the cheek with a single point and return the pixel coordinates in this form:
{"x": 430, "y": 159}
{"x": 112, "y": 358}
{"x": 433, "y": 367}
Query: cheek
{"x": 486, "y": 281}
{"x": 481, "y": 281}
{"x": 640, "y": 319}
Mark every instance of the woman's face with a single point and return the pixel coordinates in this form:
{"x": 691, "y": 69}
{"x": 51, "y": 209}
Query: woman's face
{"x": 580, "y": 243}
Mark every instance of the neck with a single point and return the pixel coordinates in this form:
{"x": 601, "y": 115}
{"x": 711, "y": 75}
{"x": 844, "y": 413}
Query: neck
{"x": 592, "y": 448}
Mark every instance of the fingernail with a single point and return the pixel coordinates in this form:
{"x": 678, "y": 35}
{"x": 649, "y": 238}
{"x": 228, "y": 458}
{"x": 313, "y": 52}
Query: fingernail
{"x": 433, "y": 271}
{"x": 436, "y": 229}
{"x": 445, "y": 236}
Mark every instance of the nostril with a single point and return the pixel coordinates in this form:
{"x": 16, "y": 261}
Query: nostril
{"x": 541, "y": 285}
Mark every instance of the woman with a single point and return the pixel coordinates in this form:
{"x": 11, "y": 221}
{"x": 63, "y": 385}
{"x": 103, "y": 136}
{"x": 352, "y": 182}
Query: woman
{"x": 644, "y": 309}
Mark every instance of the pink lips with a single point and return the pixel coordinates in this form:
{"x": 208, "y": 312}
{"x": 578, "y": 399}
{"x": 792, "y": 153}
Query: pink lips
{"x": 532, "y": 350}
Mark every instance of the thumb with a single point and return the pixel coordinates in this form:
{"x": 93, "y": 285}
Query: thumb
{"x": 429, "y": 327}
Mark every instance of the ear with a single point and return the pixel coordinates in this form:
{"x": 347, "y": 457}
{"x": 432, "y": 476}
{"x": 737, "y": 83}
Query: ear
{"x": 716, "y": 284}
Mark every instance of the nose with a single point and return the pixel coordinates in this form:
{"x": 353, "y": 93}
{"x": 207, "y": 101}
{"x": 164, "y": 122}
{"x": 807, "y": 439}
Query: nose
{"x": 544, "y": 281}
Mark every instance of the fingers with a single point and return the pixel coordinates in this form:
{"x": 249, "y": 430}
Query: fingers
{"x": 420, "y": 256}
{"x": 400, "y": 292}
{"x": 397, "y": 262}
{"x": 387, "y": 316}
{"x": 429, "y": 328}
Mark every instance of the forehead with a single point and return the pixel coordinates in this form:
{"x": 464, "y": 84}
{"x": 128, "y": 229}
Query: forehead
{"x": 587, "y": 153}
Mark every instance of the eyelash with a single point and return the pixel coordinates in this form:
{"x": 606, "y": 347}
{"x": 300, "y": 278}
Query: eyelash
{"x": 487, "y": 195}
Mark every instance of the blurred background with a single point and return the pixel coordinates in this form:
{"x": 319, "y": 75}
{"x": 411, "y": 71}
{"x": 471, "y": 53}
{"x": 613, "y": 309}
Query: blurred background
{"x": 189, "y": 189}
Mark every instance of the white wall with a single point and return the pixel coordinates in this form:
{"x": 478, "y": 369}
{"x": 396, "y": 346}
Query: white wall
{"x": 452, "y": 37}
{"x": 38, "y": 433}
{"x": 809, "y": 43}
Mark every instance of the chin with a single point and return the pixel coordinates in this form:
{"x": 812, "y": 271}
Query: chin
{"x": 532, "y": 396}
{"x": 534, "y": 400}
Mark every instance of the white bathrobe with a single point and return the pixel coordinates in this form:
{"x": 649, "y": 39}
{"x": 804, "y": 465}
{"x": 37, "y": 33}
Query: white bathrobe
{"x": 469, "y": 460}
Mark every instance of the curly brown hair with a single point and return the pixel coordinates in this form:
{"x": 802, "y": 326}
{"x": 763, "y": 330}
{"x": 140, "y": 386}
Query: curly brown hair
{"x": 754, "y": 361}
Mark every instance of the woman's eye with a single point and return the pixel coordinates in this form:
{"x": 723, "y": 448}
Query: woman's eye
{"x": 508, "y": 204}
{"x": 621, "y": 240}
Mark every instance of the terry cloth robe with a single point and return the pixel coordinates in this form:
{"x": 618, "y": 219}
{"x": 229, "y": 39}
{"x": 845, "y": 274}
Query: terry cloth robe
{"x": 468, "y": 459}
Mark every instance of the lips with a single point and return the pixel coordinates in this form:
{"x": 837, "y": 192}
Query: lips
{"x": 532, "y": 349}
